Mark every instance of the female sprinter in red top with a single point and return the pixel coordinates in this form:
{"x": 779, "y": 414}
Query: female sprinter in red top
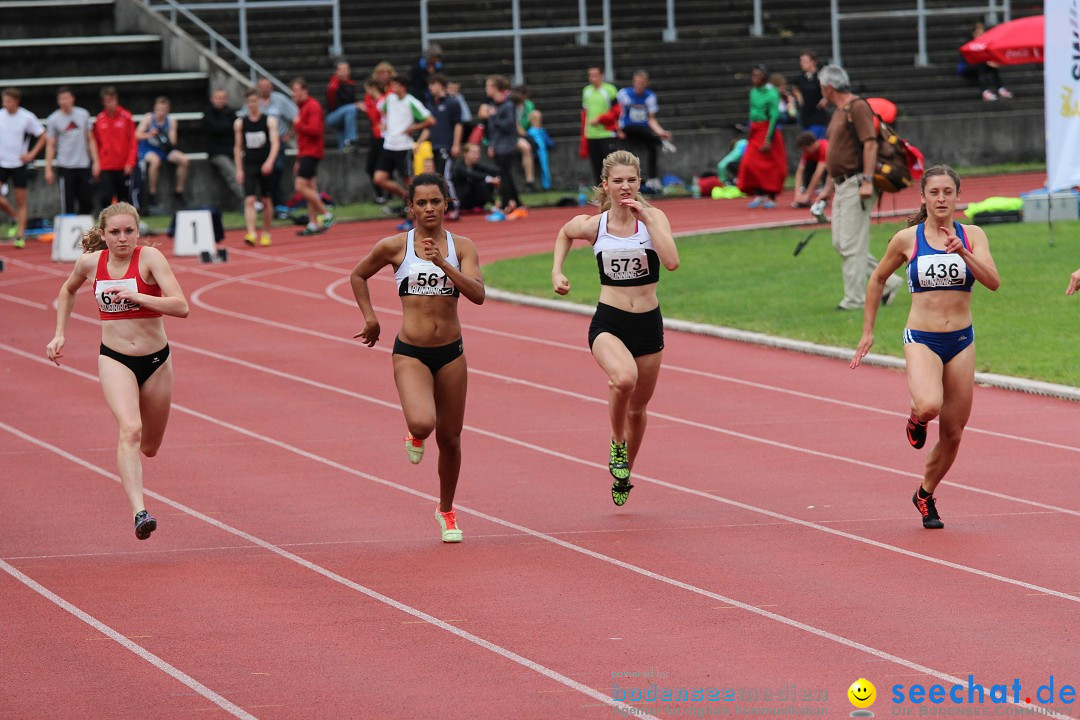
{"x": 134, "y": 286}
{"x": 630, "y": 240}
{"x": 944, "y": 260}
{"x": 431, "y": 269}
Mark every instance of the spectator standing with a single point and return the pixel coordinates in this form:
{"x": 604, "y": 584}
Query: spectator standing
{"x": 444, "y": 135}
{"x": 453, "y": 89}
{"x": 114, "y": 135}
{"x": 217, "y": 123}
{"x": 850, "y": 158}
{"x": 277, "y": 105}
{"x": 763, "y": 167}
{"x": 429, "y": 64}
{"x": 157, "y": 135}
{"x": 524, "y": 107}
{"x": 310, "y": 147}
{"x": 256, "y": 144}
{"x": 503, "y": 138}
{"x": 813, "y": 115}
{"x": 475, "y": 183}
{"x": 597, "y": 100}
{"x": 17, "y": 126}
{"x": 402, "y": 115}
{"x": 543, "y": 142}
{"x": 341, "y": 106}
{"x": 374, "y": 90}
{"x": 638, "y": 123}
{"x": 811, "y": 174}
{"x": 71, "y": 154}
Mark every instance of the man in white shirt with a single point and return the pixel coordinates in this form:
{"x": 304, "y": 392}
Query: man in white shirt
{"x": 402, "y": 115}
{"x": 71, "y": 148}
{"x": 16, "y": 125}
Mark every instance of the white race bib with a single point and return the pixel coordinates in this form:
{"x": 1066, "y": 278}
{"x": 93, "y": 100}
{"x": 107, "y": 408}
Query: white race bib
{"x": 108, "y": 303}
{"x": 255, "y": 140}
{"x": 627, "y": 264}
{"x": 945, "y": 270}
{"x": 638, "y": 114}
{"x": 427, "y": 279}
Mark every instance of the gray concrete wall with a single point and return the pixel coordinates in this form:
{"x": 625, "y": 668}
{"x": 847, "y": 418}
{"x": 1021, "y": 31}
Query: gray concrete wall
{"x": 958, "y": 141}
{"x": 180, "y": 51}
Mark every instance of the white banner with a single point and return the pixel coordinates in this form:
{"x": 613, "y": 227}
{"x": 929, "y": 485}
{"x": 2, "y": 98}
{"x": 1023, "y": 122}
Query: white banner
{"x": 1061, "y": 72}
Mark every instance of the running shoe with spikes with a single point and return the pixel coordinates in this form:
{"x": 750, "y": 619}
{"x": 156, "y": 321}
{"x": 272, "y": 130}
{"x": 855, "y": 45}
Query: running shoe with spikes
{"x": 144, "y": 524}
{"x": 620, "y": 491}
{"x": 249, "y": 239}
{"x": 451, "y": 533}
{"x": 916, "y": 432}
{"x": 928, "y": 509}
{"x": 618, "y": 465}
{"x": 414, "y": 448}
{"x": 265, "y": 239}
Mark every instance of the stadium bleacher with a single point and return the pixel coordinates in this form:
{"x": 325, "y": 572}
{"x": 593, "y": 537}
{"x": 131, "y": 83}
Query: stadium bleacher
{"x": 702, "y": 79}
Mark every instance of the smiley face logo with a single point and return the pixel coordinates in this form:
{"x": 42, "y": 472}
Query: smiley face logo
{"x": 862, "y": 693}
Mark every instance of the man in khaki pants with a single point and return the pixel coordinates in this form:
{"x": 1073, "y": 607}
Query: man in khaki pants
{"x": 850, "y": 160}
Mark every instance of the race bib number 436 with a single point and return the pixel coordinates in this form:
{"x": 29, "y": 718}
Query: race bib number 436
{"x": 941, "y": 270}
{"x": 427, "y": 279}
{"x": 625, "y": 264}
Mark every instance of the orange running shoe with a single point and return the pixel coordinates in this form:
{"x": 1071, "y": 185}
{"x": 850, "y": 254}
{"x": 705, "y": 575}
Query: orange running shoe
{"x": 451, "y": 533}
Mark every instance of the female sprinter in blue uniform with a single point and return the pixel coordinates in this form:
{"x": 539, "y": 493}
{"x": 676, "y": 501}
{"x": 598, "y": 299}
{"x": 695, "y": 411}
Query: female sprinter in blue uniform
{"x": 630, "y": 240}
{"x": 431, "y": 269}
{"x": 944, "y": 259}
{"x": 134, "y": 286}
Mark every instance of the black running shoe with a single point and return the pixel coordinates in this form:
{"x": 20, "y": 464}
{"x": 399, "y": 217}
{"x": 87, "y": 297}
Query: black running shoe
{"x": 620, "y": 491}
{"x": 144, "y": 524}
{"x": 916, "y": 432}
{"x": 930, "y": 519}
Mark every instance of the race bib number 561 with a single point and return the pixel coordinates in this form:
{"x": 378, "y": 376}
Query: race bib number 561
{"x": 941, "y": 270}
{"x": 427, "y": 279}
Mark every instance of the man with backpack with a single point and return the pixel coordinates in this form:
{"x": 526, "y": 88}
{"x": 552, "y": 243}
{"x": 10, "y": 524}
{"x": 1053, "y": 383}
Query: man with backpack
{"x": 851, "y": 159}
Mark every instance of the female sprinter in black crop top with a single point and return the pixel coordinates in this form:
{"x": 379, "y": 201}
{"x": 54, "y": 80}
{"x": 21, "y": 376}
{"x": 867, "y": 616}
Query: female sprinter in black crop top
{"x": 134, "y": 287}
{"x": 630, "y": 240}
{"x": 432, "y": 268}
{"x": 944, "y": 260}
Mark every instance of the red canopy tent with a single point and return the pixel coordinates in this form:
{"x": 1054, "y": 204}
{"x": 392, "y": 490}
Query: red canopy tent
{"x": 1011, "y": 43}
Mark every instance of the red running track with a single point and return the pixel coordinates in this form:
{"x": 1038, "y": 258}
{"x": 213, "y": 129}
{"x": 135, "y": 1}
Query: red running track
{"x": 769, "y": 547}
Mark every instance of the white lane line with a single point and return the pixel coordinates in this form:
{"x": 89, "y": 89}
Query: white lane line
{"x": 329, "y": 574}
{"x": 197, "y": 300}
{"x": 818, "y": 632}
{"x": 104, "y": 629}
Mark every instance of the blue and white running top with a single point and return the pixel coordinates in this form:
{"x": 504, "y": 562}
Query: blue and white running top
{"x": 625, "y": 261}
{"x": 932, "y": 269}
{"x": 421, "y": 277}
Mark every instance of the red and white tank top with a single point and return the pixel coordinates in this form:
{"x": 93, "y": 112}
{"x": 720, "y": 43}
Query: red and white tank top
{"x": 108, "y": 306}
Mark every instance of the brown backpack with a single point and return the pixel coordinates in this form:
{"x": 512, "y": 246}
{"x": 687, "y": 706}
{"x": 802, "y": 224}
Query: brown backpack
{"x": 892, "y": 168}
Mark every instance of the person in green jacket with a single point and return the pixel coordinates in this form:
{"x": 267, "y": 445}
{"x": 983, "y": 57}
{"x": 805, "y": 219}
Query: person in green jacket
{"x": 764, "y": 164}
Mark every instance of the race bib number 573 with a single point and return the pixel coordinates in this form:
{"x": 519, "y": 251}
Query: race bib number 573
{"x": 625, "y": 264}
{"x": 941, "y": 270}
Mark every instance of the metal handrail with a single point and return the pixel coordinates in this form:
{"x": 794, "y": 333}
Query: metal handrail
{"x": 517, "y": 32}
{"x": 920, "y": 12}
{"x": 242, "y": 53}
{"x": 217, "y": 39}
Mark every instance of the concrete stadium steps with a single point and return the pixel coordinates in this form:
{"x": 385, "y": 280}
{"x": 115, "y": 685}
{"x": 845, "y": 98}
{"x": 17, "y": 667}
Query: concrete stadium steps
{"x": 55, "y": 18}
{"x": 105, "y": 55}
{"x": 187, "y": 91}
